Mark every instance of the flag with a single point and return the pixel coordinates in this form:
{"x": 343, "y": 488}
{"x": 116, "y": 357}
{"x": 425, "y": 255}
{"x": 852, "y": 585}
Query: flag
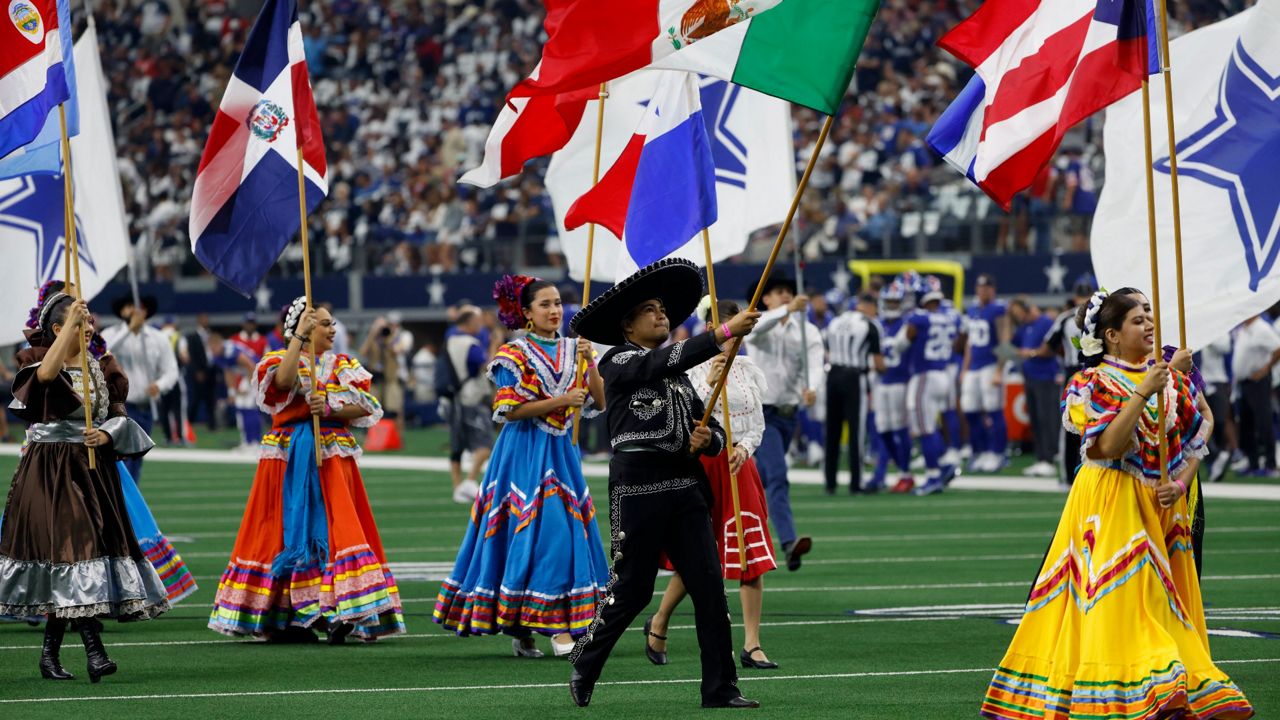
{"x": 590, "y": 42}
{"x": 33, "y": 80}
{"x": 751, "y": 148}
{"x": 1227, "y": 120}
{"x": 803, "y": 51}
{"x": 244, "y": 206}
{"x": 32, "y": 228}
{"x": 1041, "y": 67}
{"x": 661, "y": 191}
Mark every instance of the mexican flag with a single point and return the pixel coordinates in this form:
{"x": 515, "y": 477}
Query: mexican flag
{"x": 803, "y": 51}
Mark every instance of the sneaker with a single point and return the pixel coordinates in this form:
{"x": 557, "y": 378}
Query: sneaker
{"x": 949, "y": 473}
{"x": 815, "y": 455}
{"x": 950, "y": 457}
{"x": 933, "y": 487}
{"x": 905, "y": 484}
{"x": 874, "y": 485}
{"x": 1219, "y": 468}
{"x": 917, "y": 463}
{"x": 1041, "y": 469}
{"x": 466, "y": 492}
{"x": 1239, "y": 462}
{"x": 998, "y": 463}
{"x": 981, "y": 463}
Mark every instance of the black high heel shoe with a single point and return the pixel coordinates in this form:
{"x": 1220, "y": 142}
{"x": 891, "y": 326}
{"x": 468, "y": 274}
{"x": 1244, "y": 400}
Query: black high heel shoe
{"x": 655, "y": 657}
{"x": 100, "y": 665}
{"x": 753, "y": 664}
{"x": 50, "y": 665}
{"x": 336, "y": 633}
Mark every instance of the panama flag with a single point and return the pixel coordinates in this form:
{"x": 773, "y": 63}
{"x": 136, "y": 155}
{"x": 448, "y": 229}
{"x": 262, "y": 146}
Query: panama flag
{"x": 1226, "y": 107}
{"x": 662, "y": 189}
{"x": 1041, "y": 67}
{"x": 33, "y": 43}
{"x": 244, "y": 207}
{"x": 590, "y": 42}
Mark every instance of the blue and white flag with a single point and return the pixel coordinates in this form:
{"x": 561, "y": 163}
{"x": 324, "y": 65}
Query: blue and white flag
{"x": 1227, "y": 116}
{"x": 35, "y": 41}
{"x": 32, "y": 228}
{"x": 44, "y": 153}
{"x": 751, "y": 154}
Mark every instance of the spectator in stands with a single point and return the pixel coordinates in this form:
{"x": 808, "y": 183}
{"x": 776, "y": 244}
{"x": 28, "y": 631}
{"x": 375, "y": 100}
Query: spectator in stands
{"x": 1040, "y": 377}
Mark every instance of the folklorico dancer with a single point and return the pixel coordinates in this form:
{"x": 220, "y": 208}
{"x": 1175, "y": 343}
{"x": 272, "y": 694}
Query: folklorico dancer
{"x": 746, "y": 387}
{"x": 1114, "y": 625}
{"x": 160, "y": 552}
{"x": 308, "y": 551}
{"x": 67, "y": 548}
{"x": 658, "y": 490}
{"x": 531, "y": 558}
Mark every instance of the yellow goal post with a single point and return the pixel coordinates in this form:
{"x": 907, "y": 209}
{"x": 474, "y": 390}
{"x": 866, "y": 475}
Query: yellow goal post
{"x": 864, "y": 269}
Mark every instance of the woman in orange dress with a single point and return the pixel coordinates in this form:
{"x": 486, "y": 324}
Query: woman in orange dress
{"x": 308, "y": 552}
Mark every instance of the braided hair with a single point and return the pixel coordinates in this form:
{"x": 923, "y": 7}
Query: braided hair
{"x": 1104, "y": 311}
{"x": 291, "y": 315}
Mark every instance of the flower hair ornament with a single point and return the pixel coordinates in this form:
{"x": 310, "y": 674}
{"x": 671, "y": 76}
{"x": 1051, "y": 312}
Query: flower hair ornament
{"x": 1089, "y": 343}
{"x": 292, "y": 316}
{"x": 507, "y": 292}
{"x": 703, "y": 312}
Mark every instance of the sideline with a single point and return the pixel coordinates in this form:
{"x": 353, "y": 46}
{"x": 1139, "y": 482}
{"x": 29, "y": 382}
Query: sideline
{"x": 799, "y": 476}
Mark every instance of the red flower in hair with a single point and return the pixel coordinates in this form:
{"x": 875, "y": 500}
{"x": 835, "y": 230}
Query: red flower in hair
{"x": 507, "y": 292}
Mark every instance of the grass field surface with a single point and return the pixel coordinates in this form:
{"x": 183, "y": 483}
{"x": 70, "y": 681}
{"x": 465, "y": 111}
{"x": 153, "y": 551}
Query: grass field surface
{"x": 901, "y": 611}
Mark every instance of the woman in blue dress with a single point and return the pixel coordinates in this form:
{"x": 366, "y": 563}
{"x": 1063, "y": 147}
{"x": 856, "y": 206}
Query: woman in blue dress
{"x": 531, "y": 558}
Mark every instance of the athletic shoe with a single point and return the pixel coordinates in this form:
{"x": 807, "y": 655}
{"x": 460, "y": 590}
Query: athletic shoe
{"x": 1219, "y": 468}
{"x": 950, "y": 457}
{"x": 905, "y": 484}
{"x": 466, "y": 492}
{"x": 917, "y": 463}
{"x": 1041, "y": 469}
{"x": 949, "y": 473}
{"x": 998, "y": 463}
{"x": 932, "y": 487}
{"x": 981, "y": 463}
{"x": 874, "y": 485}
{"x": 1239, "y": 461}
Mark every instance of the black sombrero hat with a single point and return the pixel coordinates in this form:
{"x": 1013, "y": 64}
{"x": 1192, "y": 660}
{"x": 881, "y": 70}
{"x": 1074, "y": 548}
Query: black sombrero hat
{"x": 676, "y": 282}
{"x": 775, "y": 280}
{"x": 149, "y": 305}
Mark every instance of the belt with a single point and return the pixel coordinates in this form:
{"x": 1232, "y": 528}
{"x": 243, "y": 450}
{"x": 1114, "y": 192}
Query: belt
{"x": 783, "y": 410}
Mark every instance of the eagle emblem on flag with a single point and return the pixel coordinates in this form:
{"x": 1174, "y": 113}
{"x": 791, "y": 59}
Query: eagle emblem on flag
{"x": 707, "y": 17}
{"x": 26, "y": 17}
{"x": 267, "y": 120}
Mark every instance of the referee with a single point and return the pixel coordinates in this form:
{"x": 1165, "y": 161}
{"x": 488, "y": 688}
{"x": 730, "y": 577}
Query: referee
{"x": 1063, "y": 339}
{"x": 853, "y": 347}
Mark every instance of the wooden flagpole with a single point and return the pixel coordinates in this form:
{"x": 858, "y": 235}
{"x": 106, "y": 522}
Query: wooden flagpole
{"x": 591, "y": 243}
{"x": 724, "y": 407}
{"x": 71, "y": 259}
{"x": 1165, "y": 63}
{"x": 316, "y": 381}
{"x": 1155, "y": 276}
{"x": 773, "y": 258}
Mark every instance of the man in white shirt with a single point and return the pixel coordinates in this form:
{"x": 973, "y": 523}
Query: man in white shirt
{"x": 789, "y": 349}
{"x": 147, "y": 358}
{"x": 1213, "y": 368}
{"x": 1257, "y": 351}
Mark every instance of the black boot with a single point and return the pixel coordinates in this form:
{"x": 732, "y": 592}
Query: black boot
{"x": 99, "y": 664}
{"x": 50, "y": 666}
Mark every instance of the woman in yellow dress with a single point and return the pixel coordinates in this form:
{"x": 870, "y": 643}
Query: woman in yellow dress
{"x": 1114, "y": 625}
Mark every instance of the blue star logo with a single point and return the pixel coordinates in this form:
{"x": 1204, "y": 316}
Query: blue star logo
{"x": 34, "y": 208}
{"x": 727, "y": 151}
{"x": 1237, "y": 151}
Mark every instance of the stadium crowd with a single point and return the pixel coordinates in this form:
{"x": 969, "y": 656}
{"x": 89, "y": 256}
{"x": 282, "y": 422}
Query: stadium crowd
{"x": 407, "y": 91}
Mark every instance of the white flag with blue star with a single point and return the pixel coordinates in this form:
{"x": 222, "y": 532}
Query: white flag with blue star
{"x": 1227, "y": 119}
{"x": 32, "y": 229}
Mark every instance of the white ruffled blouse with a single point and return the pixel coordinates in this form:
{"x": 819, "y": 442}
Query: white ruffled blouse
{"x": 746, "y": 388}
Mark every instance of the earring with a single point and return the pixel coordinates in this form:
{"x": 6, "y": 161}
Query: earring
{"x": 528, "y": 326}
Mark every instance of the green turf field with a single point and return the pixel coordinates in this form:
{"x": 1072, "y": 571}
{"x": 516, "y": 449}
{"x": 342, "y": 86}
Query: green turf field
{"x": 885, "y": 620}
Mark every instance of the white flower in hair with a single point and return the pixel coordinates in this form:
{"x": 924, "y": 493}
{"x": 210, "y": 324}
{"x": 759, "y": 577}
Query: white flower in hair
{"x": 1090, "y": 345}
{"x": 703, "y": 312}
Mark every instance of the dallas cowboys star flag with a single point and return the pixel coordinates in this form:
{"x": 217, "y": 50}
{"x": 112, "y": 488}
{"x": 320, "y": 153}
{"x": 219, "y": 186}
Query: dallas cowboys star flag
{"x": 1227, "y": 115}
{"x": 244, "y": 206}
{"x": 31, "y": 207}
{"x": 751, "y": 147}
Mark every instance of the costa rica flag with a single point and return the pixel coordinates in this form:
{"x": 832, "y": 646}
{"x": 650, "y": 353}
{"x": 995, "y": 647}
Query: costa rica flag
{"x": 244, "y": 206}
{"x": 35, "y": 40}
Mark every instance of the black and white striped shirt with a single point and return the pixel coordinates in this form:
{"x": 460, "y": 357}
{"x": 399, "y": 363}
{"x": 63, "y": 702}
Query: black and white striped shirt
{"x": 1064, "y": 331}
{"x": 852, "y": 338}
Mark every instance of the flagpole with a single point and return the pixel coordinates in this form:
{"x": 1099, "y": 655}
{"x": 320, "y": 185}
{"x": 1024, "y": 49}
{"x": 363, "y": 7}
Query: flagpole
{"x": 724, "y": 408}
{"x": 316, "y": 381}
{"x": 804, "y": 321}
{"x": 1155, "y": 276}
{"x": 768, "y": 267}
{"x": 1166, "y": 67}
{"x": 71, "y": 259}
{"x": 591, "y": 242}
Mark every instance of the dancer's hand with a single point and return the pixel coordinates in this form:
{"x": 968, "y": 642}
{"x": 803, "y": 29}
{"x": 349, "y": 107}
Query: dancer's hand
{"x": 1155, "y": 381}
{"x": 743, "y": 323}
{"x": 714, "y": 369}
{"x": 737, "y": 459}
{"x": 575, "y": 398}
{"x": 1169, "y": 493}
{"x": 1181, "y": 360}
{"x": 77, "y": 315}
{"x": 306, "y": 324}
{"x": 96, "y": 438}
{"x": 799, "y": 303}
{"x": 586, "y": 353}
{"x": 318, "y": 403}
{"x": 701, "y": 438}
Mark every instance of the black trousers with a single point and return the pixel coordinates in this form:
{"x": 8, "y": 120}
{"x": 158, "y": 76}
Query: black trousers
{"x": 1043, "y": 403}
{"x": 1219, "y": 399}
{"x": 1070, "y": 460}
{"x": 845, "y": 391}
{"x": 170, "y": 407}
{"x": 657, "y": 504}
{"x": 1257, "y": 429}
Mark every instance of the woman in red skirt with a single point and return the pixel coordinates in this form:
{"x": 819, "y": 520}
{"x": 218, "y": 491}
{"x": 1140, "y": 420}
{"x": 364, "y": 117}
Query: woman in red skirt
{"x": 745, "y": 387}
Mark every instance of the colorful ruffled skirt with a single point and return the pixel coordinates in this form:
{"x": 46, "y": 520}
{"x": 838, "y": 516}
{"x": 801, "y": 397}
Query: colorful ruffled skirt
{"x": 1114, "y": 626}
{"x": 307, "y": 552}
{"x": 160, "y": 553}
{"x": 531, "y": 557}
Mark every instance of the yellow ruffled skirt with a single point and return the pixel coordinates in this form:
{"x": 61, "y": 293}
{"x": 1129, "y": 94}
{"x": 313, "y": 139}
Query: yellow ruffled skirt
{"x": 1114, "y": 627}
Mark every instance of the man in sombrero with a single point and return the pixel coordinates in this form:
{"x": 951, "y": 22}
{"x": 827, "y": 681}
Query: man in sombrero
{"x": 147, "y": 358}
{"x": 658, "y": 493}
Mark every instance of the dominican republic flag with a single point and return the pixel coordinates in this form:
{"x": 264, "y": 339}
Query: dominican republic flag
{"x": 244, "y": 207}
{"x": 1041, "y": 67}
{"x": 590, "y": 42}
{"x": 35, "y": 38}
{"x": 662, "y": 189}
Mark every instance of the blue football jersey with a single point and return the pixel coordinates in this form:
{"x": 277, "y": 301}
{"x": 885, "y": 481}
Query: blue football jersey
{"x": 935, "y": 340}
{"x": 982, "y": 333}
{"x": 896, "y": 370}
